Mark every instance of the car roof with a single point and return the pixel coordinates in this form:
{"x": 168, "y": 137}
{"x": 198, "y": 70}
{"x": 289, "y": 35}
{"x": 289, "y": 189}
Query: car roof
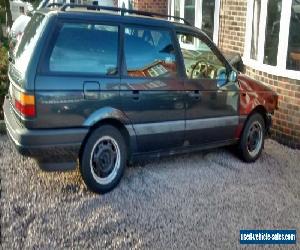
{"x": 113, "y": 16}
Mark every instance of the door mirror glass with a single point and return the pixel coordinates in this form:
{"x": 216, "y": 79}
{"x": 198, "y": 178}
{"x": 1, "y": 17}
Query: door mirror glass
{"x": 232, "y": 77}
{"x": 221, "y": 77}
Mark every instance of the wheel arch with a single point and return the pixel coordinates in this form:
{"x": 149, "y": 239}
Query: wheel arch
{"x": 115, "y": 118}
{"x": 260, "y": 109}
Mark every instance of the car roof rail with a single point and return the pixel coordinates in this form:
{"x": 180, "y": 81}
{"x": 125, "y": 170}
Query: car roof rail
{"x": 122, "y": 10}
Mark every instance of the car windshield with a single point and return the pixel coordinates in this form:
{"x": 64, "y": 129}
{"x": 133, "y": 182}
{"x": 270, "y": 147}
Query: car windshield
{"x": 26, "y": 45}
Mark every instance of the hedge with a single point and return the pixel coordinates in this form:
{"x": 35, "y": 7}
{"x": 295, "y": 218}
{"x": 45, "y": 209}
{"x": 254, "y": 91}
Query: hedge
{"x": 3, "y": 77}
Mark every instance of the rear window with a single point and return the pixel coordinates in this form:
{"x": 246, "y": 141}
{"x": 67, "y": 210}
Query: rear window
{"x": 27, "y": 43}
{"x": 85, "y": 48}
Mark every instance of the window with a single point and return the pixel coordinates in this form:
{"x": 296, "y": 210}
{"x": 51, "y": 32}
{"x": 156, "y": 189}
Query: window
{"x": 189, "y": 11}
{"x": 22, "y": 10}
{"x": 26, "y": 46}
{"x": 203, "y": 14}
{"x": 293, "y": 57}
{"x": 272, "y": 42}
{"x": 199, "y": 59}
{"x": 176, "y": 7}
{"x": 149, "y": 53}
{"x": 208, "y": 17}
{"x": 255, "y": 27}
{"x": 85, "y": 48}
{"x": 272, "y": 32}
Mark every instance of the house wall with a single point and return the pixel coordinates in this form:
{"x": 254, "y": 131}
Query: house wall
{"x": 232, "y": 29}
{"x": 159, "y": 6}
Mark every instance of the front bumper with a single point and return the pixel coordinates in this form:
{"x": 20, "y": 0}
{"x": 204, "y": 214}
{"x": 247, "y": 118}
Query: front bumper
{"x": 54, "y": 149}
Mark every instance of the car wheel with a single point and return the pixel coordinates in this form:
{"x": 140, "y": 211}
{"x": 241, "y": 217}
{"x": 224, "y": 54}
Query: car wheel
{"x": 252, "y": 139}
{"x": 103, "y": 159}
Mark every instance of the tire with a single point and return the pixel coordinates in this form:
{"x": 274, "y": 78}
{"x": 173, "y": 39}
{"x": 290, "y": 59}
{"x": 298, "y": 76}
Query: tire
{"x": 103, "y": 159}
{"x": 252, "y": 139}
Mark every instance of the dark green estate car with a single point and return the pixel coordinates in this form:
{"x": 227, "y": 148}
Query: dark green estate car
{"x": 104, "y": 86}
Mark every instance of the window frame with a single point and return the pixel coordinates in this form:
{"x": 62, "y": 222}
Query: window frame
{"x": 198, "y": 15}
{"x": 43, "y": 68}
{"x": 179, "y": 65}
{"x": 281, "y": 68}
{"x": 210, "y": 44}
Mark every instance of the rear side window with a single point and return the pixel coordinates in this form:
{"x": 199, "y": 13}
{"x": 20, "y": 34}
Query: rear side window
{"x": 26, "y": 45}
{"x": 149, "y": 53}
{"x": 85, "y": 48}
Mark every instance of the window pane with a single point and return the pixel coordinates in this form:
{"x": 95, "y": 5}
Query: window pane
{"x": 189, "y": 11}
{"x": 293, "y": 57}
{"x": 255, "y": 28}
{"x": 199, "y": 60}
{"x": 272, "y": 32}
{"x": 26, "y": 46}
{"x": 149, "y": 53}
{"x": 177, "y": 8}
{"x": 208, "y": 14}
{"x": 85, "y": 48}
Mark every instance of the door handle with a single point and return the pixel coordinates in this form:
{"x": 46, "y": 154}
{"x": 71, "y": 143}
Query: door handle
{"x": 195, "y": 94}
{"x": 135, "y": 94}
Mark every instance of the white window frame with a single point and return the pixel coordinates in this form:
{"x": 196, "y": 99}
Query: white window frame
{"x": 280, "y": 69}
{"x": 198, "y": 15}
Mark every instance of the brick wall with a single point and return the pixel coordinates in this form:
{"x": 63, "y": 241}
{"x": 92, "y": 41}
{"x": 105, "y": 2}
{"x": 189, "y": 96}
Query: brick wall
{"x": 159, "y": 6}
{"x": 286, "y": 121}
{"x": 232, "y": 25}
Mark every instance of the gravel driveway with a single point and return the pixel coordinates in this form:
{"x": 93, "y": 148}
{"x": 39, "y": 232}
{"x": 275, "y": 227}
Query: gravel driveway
{"x": 193, "y": 201}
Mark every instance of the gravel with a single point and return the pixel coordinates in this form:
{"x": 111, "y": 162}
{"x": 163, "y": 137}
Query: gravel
{"x": 192, "y": 201}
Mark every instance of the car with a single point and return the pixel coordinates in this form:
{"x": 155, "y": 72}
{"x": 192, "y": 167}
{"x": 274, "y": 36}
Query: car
{"x": 107, "y": 86}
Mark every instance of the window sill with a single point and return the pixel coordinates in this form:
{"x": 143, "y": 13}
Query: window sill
{"x": 272, "y": 70}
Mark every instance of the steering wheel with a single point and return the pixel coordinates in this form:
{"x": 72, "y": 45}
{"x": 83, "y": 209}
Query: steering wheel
{"x": 203, "y": 68}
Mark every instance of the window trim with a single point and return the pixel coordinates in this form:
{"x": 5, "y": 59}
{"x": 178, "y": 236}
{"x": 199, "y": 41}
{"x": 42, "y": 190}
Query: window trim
{"x": 280, "y": 69}
{"x": 43, "y": 68}
{"x": 124, "y": 73}
{"x": 198, "y": 15}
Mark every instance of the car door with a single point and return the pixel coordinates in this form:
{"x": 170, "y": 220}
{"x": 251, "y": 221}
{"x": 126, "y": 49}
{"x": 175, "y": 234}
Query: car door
{"x": 152, "y": 93}
{"x": 212, "y": 100}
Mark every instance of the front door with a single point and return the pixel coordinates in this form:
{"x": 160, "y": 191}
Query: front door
{"x": 152, "y": 95}
{"x": 211, "y": 101}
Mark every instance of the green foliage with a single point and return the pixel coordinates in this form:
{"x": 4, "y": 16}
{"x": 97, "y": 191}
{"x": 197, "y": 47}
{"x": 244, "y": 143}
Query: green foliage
{"x": 3, "y": 77}
{"x": 2, "y": 16}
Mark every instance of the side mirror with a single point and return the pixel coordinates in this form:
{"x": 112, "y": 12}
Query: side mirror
{"x": 236, "y": 61}
{"x": 233, "y": 76}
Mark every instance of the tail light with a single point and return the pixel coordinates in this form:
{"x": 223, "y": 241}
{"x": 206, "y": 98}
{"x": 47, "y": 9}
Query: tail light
{"x": 24, "y": 103}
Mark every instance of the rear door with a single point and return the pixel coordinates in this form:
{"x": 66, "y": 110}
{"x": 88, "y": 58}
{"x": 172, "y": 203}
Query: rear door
{"x": 78, "y": 74}
{"x": 152, "y": 93}
{"x": 212, "y": 100}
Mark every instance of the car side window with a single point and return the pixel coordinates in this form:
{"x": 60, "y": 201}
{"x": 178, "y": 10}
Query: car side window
{"x": 149, "y": 53}
{"x": 85, "y": 48}
{"x": 199, "y": 59}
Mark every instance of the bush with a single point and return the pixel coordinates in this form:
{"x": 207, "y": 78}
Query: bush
{"x": 3, "y": 77}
